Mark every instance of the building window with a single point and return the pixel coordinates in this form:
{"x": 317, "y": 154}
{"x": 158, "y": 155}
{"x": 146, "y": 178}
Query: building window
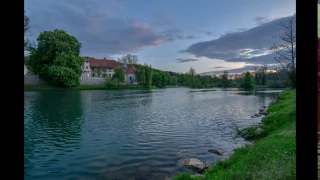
{"x": 86, "y": 67}
{"x": 130, "y": 78}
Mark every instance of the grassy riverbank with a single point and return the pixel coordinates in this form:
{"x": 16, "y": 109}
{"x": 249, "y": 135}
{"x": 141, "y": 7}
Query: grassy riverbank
{"x": 82, "y": 87}
{"x": 273, "y": 154}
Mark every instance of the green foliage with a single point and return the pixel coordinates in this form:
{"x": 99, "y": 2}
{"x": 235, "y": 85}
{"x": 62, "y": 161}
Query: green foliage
{"x": 157, "y": 79}
{"x": 247, "y": 81}
{"x": 173, "y": 80}
{"x": 144, "y": 74}
{"x": 110, "y": 84}
{"x": 119, "y": 74}
{"x": 225, "y": 81}
{"x": 56, "y": 58}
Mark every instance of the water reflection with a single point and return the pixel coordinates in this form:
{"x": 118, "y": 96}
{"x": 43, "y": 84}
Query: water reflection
{"x": 52, "y": 129}
{"x": 130, "y": 134}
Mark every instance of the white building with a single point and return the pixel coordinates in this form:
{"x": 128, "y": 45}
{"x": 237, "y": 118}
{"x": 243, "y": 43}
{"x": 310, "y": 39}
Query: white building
{"x": 104, "y": 68}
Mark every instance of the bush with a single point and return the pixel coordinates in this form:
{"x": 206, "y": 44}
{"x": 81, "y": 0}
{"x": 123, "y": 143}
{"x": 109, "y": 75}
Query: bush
{"x": 110, "y": 84}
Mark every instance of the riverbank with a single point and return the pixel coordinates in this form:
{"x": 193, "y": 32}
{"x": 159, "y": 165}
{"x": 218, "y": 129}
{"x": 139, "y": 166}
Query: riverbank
{"x": 273, "y": 154}
{"x": 83, "y": 87}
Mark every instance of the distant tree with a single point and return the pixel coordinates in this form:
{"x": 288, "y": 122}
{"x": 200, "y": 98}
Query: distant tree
{"x": 286, "y": 50}
{"x": 263, "y": 73}
{"x": 173, "y": 80}
{"x": 56, "y": 58}
{"x": 157, "y": 79}
{"x": 224, "y": 77}
{"x": 247, "y": 81}
{"x": 129, "y": 59}
{"x": 118, "y": 74}
{"x": 191, "y": 77}
{"x": 164, "y": 79}
{"x": 26, "y": 30}
{"x": 148, "y": 74}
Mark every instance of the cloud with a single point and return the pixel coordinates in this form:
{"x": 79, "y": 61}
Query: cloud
{"x": 219, "y": 67}
{"x": 100, "y": 27}
{"x": 208, "y": 33}
{"x": 239, "y": 70}
{"x": 260, "y": 20}
{"x": 180, "y": 60}
{"x": 249, "y": 46}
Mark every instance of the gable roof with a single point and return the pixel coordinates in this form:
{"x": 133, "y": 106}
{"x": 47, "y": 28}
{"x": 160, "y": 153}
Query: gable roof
{"x": 110, "y": 64}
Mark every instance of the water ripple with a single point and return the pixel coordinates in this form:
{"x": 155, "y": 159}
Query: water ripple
{"x": 131, "y": 134}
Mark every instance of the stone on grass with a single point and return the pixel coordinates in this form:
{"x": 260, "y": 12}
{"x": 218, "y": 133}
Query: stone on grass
{"x": 194, "y": 164}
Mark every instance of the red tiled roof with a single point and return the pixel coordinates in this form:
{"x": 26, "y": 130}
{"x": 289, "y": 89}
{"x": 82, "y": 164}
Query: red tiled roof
{"x": 111, "y": 64}
{"x": 131, "y": 69}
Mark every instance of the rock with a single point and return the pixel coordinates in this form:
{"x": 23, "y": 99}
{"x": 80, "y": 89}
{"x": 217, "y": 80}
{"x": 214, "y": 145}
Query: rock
{"x": 258, "y": 131}
{"x": 164, "y": 177}
{"x": 194, "y": 164}
{"x": 262, "y": 109}
{"x": 197, "y": 175}
{"x": 183, "y": 153}
{"x": 272, "y": 103}
{"x": 215, "y": 151}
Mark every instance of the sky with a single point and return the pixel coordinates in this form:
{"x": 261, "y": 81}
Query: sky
{"x": 172, "y": 35}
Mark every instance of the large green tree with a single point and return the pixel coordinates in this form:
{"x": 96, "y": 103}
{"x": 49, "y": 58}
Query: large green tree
{"x": 56, "y": 58}
{"x": 119, "y": 74}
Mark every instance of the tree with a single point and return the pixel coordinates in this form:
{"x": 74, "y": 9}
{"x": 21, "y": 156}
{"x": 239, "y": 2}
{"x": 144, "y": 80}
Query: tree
{"x": 148, "y": 74}
{"x": 286, "y": 48}
{"x": 56, "y": 58}
{"x": 157, "y": 79}
{"x": 263, "y": 74}
{"x": 164, "y": 79}
{"x": 224, "y": 77}
{"x": 26, "y": 23}
{"x": 118, "y": 74}
{"x": 173, "y": 80}
{"x": 247, "y": 81}
{"x": 191, "y": 77}
{"x": 129, "y": 59}
{"x": 26, "y": 30}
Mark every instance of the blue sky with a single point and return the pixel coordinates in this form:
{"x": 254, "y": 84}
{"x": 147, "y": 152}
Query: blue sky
{"x": 209, "y": 35}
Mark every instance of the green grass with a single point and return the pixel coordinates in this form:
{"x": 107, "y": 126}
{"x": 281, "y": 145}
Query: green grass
{"x": 83, "y": 87}
{"x": 273, "y": 154}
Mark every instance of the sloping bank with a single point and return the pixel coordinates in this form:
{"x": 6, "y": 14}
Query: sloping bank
{"x": 273, "y": 154}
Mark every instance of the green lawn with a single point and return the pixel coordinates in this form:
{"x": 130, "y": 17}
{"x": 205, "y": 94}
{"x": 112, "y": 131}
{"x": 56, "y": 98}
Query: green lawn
{"x": 271, "y": 157}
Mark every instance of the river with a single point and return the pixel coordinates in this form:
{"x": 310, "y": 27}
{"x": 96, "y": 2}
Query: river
{"x": 131, "y": 134}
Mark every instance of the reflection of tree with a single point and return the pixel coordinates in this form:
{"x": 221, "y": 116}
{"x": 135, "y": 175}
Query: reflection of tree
{"x": 52, "y": 125}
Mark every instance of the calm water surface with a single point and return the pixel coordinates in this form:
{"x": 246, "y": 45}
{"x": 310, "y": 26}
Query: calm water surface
{"x": 134, "y": 134}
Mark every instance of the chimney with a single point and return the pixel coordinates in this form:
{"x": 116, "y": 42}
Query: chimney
{"x": 104, "y": 58}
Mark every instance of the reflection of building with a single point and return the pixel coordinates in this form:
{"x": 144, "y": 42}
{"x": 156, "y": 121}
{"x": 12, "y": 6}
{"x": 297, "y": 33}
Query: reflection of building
{"x": 104, "y": 68}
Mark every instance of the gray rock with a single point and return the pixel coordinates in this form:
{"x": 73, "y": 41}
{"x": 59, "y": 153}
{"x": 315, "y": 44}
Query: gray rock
{"x": 272, "y": 103}
{"x": 215, "y": 151}
{"x": 194, "y": 164}
{"x": 258, "y": 131}
{"x": 164, "y": 177}
{"x": 197, "y": 175}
